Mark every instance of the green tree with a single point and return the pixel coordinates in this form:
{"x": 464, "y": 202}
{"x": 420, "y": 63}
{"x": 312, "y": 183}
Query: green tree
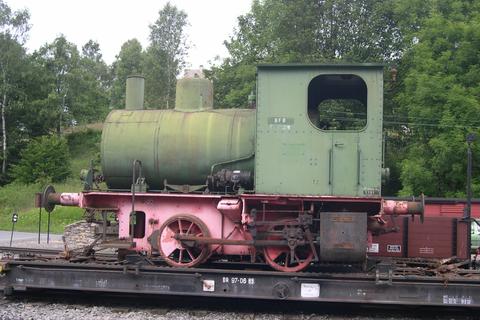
{"x": 92, "y": 87}
{"x": 60, "y": 60}
{"x": 45, "y": 159}
{"x": 307, "y": 31}
{"x": 440, "y": 94}
{"x": 129, "y": 61}
{"x": 165, "y": 56}
{"x": 409, "y": 16}
{"x": 79, "y": 83}
{"x": 13, "y": 29}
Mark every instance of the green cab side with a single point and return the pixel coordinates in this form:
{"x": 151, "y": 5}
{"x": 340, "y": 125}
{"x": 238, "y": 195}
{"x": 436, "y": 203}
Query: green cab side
{"x": 319, "y": 129}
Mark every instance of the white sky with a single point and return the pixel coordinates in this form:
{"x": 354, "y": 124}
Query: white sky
{"x": 111, "y": 23}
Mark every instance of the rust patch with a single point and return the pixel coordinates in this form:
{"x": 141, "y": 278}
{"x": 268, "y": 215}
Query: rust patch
{"x": 347, "y": 219}
{"x": 343, "y": 245}
{"x": 152, "y": 221}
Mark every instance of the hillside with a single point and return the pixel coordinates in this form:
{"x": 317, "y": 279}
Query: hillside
{"x": 15, "y": 197}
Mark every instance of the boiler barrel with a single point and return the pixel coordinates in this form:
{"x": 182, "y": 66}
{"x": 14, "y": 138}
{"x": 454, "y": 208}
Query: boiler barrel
{"x": 181, "y": 147}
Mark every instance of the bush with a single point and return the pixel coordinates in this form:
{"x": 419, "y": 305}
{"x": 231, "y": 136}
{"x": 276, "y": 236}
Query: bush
{"x": 45, "y": 159}
{"x": 83, "y": 141}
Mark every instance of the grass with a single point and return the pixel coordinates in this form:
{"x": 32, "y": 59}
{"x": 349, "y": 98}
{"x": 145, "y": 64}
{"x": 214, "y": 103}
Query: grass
{"x": 28, "y": 220}
{"x": 16, "y": 197}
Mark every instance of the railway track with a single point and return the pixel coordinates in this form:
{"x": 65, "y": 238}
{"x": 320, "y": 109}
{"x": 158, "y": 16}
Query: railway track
{"x": 29, "y": 251}
{"x": 36, "y": 254}
{"x": 402, "y": 266}
{"x": 33, "y": 254}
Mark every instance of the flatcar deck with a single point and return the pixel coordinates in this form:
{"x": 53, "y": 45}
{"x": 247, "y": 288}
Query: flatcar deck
{"x": 377, "y": 287}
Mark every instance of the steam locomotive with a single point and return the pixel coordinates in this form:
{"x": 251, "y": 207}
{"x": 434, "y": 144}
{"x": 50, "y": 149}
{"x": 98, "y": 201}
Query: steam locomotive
{"x": 293, "y": 181}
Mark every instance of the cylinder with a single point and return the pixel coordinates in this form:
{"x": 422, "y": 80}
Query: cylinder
{"x": 181, "y": 147}
{"x": 135, "y": 92}
{"x": 194, "y": 94}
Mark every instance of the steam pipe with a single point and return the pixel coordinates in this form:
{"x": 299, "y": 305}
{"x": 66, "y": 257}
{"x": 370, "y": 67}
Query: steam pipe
{"x": 393, "y": 207}
{"x": 49, "y": 198}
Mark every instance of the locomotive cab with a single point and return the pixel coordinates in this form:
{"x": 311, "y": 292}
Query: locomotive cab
{"x": 319, "y": 129}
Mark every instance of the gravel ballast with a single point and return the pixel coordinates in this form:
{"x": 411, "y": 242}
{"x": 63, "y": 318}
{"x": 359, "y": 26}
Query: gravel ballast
{"x": 28, "y": 308}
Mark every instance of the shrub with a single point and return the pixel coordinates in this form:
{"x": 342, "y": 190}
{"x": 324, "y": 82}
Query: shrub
{"x": 44, "y": 159}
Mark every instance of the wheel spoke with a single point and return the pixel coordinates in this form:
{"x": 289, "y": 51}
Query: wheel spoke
{"x": 180, "y": 226}
{"x": 168, "y": 241}
{"x": 275, "y": 252}
{"x": 287, "y": 255}
{"x": 180, "y": 255}
{"x": 171, "y": 229}
{"x": 189, "y": 228}
{"x": 173, "y": 254}
{"x": 190, "y": 254}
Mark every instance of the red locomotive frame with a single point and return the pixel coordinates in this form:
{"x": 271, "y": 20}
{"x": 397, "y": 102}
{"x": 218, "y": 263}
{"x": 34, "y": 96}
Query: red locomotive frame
{"x": 187, "y": 229}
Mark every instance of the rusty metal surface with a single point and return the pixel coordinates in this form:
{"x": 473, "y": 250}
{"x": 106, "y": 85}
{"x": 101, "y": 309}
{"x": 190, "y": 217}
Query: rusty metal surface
{"x": 393, "y": 207}
{"x": 342, "y": 236}
{"x": 462, "y": 246}
{"x": 437, "y": 237}
{"x": 392, "y": 244}
{"x": 432, "y": 239}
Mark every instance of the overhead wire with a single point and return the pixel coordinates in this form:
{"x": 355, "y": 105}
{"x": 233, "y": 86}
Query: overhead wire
{"x": 401, "y": 120}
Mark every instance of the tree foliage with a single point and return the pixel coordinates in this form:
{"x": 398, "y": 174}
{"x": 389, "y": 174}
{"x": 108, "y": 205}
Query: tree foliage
{"x": 130, "y": 61}
{"x": 165, "y": 56}
{"x": 440, "y": 94}
{"x": 93, "y": 96}
{"x": 281, "y": 31}
{"x": 60, "y": 85}
{"x": 160, "y": 63}
{"x": 45, "y": 159}
{"x": 78, "y": 83}
{"x": 13, "y": 28}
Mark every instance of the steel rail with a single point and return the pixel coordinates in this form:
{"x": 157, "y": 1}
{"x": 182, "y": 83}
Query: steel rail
{"x": 29, "y": 251}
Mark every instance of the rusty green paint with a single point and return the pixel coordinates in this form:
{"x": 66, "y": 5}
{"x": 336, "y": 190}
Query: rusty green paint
{"x": 178, "y": 146}
{"x": 135, "y": 88}
{"x": 194, "y": 94}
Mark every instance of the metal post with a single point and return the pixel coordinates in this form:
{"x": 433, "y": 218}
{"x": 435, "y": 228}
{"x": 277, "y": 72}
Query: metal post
{"x": 467, "y": 215}
{"x": 468, "y": 211}
{"x": 14, "y": 220}
{"x": 39, "y": 223}
{"x": 134, "y": 180}
{"x": 48, "y": 228}
{"x": 11, "y": 235}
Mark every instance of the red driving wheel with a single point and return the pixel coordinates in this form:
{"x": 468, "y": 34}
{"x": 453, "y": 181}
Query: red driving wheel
{"x": 176, "y": 253}
{"x": 280, "y": 257}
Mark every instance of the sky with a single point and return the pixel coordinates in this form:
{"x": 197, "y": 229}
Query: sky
{"x": 111, "y": 23}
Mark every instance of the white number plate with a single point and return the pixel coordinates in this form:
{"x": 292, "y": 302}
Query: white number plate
{"x": 310, "y": 290}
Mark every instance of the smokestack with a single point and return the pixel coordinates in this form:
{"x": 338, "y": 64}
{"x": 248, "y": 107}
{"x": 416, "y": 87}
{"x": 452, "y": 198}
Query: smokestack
{"x": 135, "y": 92}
